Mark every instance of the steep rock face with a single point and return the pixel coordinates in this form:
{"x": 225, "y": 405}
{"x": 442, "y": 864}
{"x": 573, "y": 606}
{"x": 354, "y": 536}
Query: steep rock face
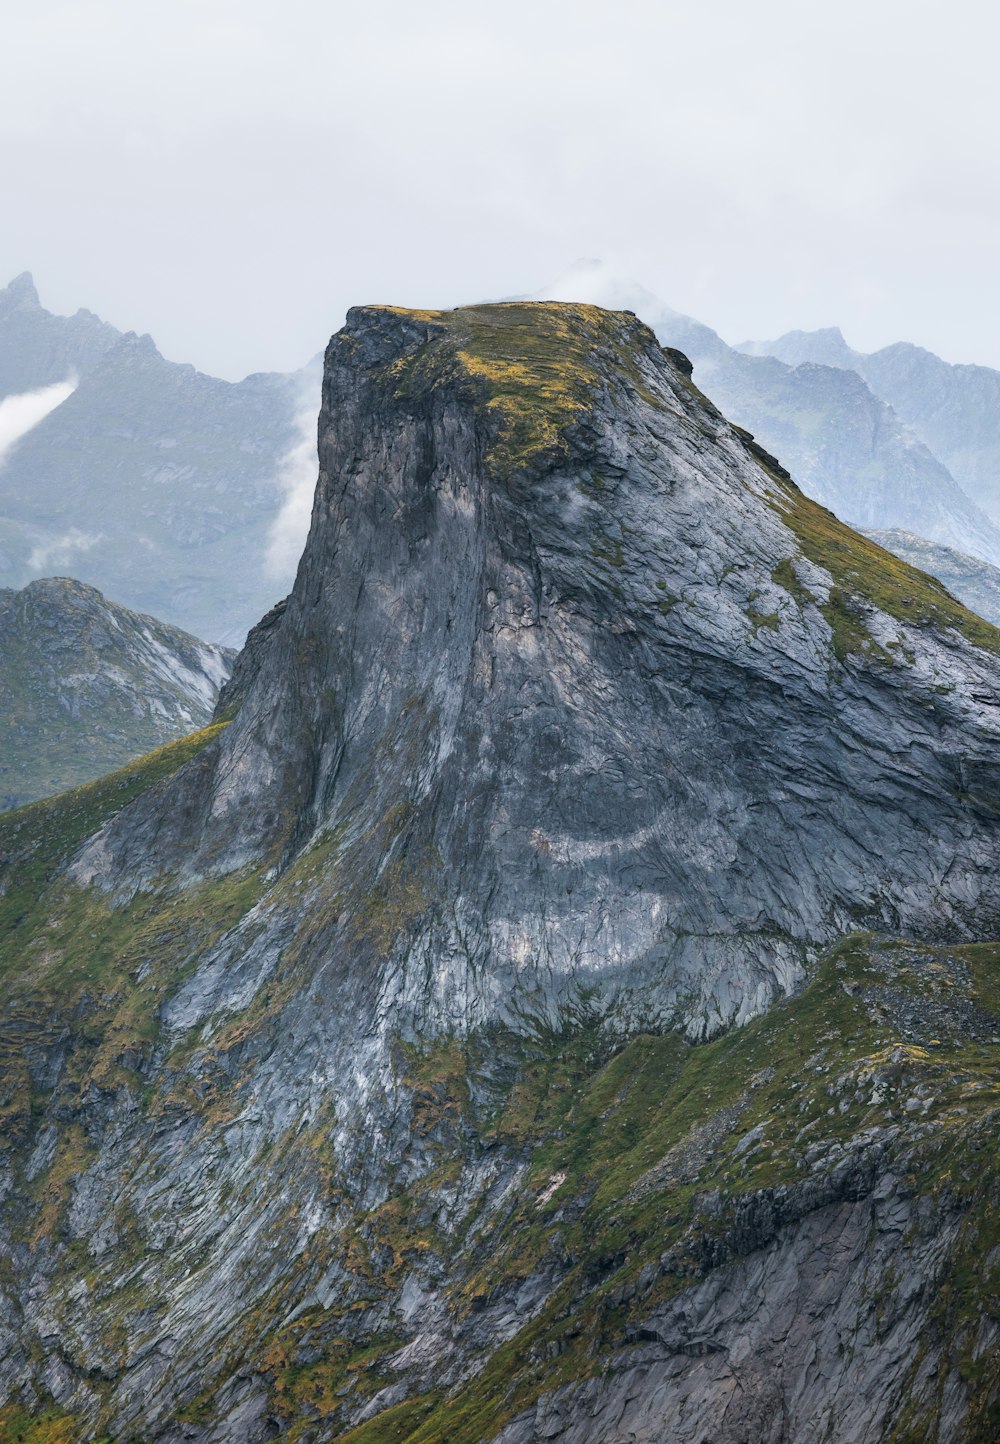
{"x": 756, "y": 1351}
{"x": 573, "y": 661}
{"x": 86, "y": 685}
{"x": 348, "y": 1080}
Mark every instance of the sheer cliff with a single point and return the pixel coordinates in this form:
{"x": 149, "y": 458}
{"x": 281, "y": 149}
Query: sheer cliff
{"x": 556, "y": 998}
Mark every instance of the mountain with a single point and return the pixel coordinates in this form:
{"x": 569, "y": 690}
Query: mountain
{"x": 556, "y": 999}
{"x": 976, "y": 584}
{"x": 843, "y": 444}
{"x": 156, "y": 483}
{"x": 86, "y": 686}
{"x": 955, "y": 410}
{"x": 38, "y": 349}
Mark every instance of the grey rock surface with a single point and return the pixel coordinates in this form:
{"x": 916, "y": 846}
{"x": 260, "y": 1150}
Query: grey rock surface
{"x": 567, "y": 684}
{"x": 563, "y": 733}
{"x": 817, "y": 1333}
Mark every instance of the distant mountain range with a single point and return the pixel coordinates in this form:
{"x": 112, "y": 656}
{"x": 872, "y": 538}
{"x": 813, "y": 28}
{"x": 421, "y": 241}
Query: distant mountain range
{"x": 954, "y": 410}
{"x": 86, "y": 685}
{"x": 857, "y": 439}
{"x": 158, "y": 484}
{"x": 188, "y": 497}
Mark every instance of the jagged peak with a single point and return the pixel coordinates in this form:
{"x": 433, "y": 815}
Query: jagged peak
{"x": 827, "y": 333}
{"x": 133, "y": 346}
{"x": 21, "y": 292}
{"x": 823, "y": 346}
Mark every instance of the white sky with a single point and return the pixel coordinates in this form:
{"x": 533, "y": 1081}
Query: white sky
{"x": 230, "y": 175}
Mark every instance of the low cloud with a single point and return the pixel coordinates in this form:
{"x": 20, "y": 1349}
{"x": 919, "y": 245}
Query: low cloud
{"x": 297, "y": 481}
{"x": 54, "y": 552}
{"x": 20, "y": 414}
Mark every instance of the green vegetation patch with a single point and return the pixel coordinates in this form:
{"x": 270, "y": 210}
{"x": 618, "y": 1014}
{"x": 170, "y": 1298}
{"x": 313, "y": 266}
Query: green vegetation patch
{"x": 637, "y": 1163}
{"x": 537, "y": 364}
{"x": 39, "y": 839}
{"x": 50, "y": 1425}
{"x": 71, "y": 960}
{"x": 863, "y": 570}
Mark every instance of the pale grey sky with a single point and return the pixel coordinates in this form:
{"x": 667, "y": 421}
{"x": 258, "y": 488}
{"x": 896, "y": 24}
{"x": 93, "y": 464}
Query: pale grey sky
{"x": 230, "y": 175}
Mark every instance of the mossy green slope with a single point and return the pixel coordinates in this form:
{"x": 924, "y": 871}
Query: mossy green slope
{"x": 865, "y": 575}
{"x": 637, "y": 1168}
{"x": 73, "y": 960}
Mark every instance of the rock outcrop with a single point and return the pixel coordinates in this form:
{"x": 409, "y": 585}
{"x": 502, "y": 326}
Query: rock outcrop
{"x": 356, "y": 1068}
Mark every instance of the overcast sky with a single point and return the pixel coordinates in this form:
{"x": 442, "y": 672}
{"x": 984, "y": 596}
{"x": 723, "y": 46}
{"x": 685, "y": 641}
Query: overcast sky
{"x": 230, "y": 175}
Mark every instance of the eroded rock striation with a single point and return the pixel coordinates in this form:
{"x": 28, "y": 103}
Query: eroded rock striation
{"x": 357, "y": 1074}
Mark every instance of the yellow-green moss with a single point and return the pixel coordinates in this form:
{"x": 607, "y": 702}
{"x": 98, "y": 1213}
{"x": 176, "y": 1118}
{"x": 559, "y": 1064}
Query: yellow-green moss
{"x": 36, "y": 839}
{"x": 49, "y": 1425}
{"x": 537, "y": 366}
{"x": 862, "y": 570}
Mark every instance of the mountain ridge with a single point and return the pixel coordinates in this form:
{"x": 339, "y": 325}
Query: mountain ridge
{"x": 153, "y": 481}
{"x": 87, "y": 685}
{"x": 952, "y": 407}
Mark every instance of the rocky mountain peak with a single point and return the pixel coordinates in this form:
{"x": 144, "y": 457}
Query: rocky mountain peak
{"x": 20, "y": 293}
{"x": 823, "y": 347}
{"x": 556, "y": 632}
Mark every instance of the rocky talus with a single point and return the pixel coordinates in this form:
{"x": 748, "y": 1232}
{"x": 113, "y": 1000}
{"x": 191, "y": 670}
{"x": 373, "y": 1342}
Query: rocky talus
{"x": 556, "y": 998}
